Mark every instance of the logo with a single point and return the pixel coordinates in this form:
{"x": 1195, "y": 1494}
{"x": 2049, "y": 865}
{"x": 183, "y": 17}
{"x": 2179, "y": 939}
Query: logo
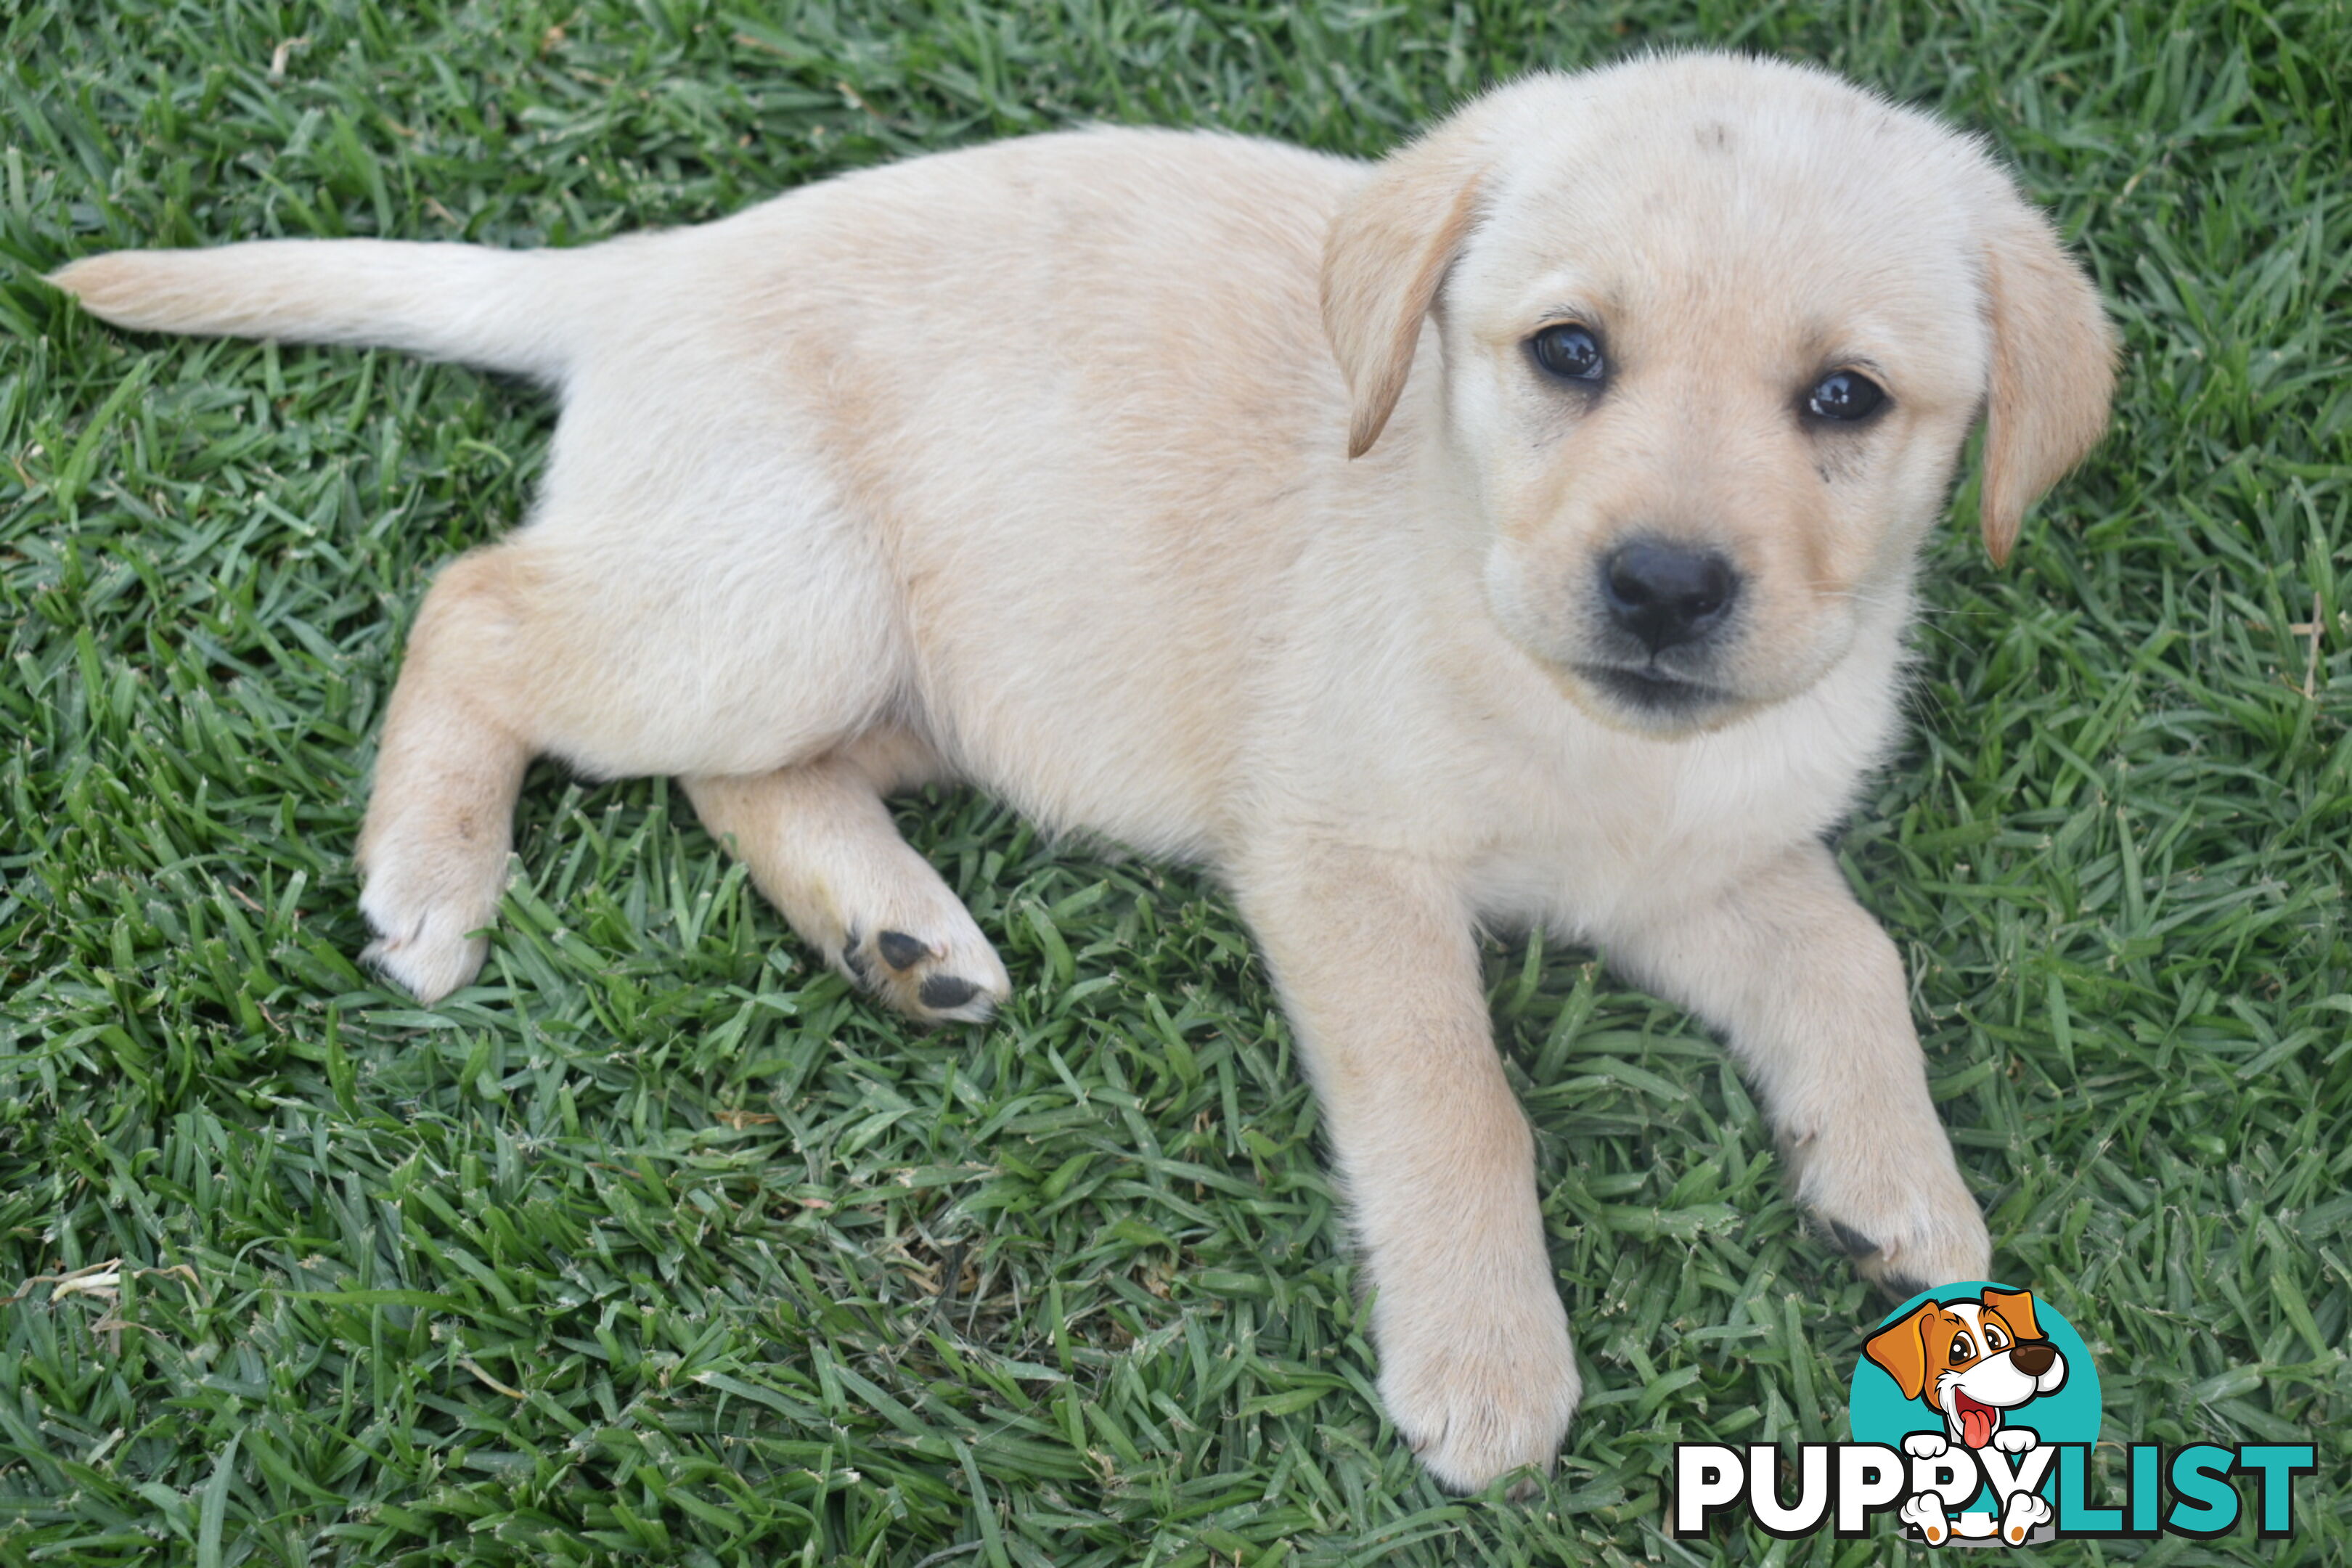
{"x": 1975, "y": 1409}
{"x": 1987, "y": 1387}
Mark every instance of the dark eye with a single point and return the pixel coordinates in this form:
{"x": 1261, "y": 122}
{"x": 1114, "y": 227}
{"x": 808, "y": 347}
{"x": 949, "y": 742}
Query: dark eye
{"x": 1963, "y": 1348}
{"x": 1568, "y": 351}
{"x": 1993, "y": 1340}
{"x": 1844, "y": 395}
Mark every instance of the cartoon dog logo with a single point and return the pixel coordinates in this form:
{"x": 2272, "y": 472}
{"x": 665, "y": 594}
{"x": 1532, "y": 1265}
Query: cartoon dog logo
{"x": 1972, "y": 1360}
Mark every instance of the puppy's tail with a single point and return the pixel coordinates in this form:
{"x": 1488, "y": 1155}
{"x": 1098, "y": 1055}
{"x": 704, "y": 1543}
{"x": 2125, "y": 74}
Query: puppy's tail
{"x": 499, "y": 310}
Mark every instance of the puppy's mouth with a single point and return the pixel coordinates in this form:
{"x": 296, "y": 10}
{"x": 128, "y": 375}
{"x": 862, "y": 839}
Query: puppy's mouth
{"x": 1978, "y": 1419}
{"x": 1654, "y": 692}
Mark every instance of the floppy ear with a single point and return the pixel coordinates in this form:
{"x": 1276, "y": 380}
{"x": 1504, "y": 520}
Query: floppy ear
{"x": 2016, "y": 1310}
{"x": 1901, "y": 1348}
{"x": 1385, "y": 256}
{"x": 2053, "y": 365}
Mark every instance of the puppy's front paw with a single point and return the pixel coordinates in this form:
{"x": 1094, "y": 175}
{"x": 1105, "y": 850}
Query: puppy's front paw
{"x": 1477, "y": 1400}
{"x": 1925, "y": 1446}
{"x": 2016, "y": 1439}
{"x": 425, "y": 909}
{"x": 1897, "y": 1208}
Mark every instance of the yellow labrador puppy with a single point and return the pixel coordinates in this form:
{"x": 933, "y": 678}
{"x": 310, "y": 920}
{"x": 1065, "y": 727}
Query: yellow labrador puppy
{"x": 1520, "y": 529}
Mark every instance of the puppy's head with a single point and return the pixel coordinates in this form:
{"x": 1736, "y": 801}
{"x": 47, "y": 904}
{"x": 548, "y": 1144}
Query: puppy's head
{"x": 1972, "y": 1360}
{"x": 1712, "y": 333}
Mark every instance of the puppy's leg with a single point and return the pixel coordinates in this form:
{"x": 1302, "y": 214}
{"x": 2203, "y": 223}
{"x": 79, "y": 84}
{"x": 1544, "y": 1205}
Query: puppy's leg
{"x": 822, "y": 847}
{"x": 1379, "y": 972}
{"x": 433, "y": 853}
{"x": 1809, "y": 994}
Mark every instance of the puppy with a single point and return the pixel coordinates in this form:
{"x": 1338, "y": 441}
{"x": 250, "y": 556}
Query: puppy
{"x": 1518, "y": 530}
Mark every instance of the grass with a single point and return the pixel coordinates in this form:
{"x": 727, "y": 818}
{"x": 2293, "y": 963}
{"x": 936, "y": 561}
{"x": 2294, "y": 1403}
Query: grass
{"x": 659, "y": 1244}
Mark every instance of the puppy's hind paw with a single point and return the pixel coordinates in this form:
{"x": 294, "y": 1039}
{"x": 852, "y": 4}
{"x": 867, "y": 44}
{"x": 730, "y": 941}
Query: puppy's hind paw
{"x": 2024, "y": 1513}
{"x": 953, "y": 976}
{"x": 1924, "y": 1512}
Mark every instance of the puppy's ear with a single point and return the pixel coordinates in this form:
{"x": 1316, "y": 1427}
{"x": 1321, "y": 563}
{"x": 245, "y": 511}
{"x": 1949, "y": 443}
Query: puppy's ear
{"x": 2016, "y": 1310}
{"x": 1386, "y": 256}
{"x": 1901, "y": 1349}
{"x": 2053, "y": 364}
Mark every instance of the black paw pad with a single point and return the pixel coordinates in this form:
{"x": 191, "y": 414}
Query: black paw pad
{"x": 946, "y": 991}
{"x": 1856, "y": 1245}
{"x": 900, "y": 950}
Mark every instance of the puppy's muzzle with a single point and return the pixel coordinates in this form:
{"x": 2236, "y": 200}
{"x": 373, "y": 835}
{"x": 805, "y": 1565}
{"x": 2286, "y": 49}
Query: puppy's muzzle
{"x": 1666, "y": 614}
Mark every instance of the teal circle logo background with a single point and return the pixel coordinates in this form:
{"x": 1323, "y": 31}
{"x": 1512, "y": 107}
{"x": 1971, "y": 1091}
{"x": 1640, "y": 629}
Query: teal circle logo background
{"x": 1880, "y": 1414}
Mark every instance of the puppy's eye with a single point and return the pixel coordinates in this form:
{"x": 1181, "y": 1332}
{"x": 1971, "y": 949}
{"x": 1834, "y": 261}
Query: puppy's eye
{"x": 1963, "y": 1348}
{"x": 1844, "y": 395}
{"x": 1569, "y": 351}
{"x": 1993, "y": 1340}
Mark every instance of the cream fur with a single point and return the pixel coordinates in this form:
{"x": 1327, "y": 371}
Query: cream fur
{"x": 1030, "y": 465}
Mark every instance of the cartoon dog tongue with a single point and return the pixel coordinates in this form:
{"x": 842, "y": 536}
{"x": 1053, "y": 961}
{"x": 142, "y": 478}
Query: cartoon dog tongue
{"x": 1976, "y": 1421}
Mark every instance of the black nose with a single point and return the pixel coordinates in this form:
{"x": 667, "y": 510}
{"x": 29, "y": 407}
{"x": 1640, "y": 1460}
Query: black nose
{"x": 1665, "y": 593}
{"x": 2033, "y": 1357}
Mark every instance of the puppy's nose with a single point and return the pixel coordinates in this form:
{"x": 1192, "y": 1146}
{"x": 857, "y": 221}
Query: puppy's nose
{"x": 1666, "y": 594}
{"x": 2033, "y": 1357}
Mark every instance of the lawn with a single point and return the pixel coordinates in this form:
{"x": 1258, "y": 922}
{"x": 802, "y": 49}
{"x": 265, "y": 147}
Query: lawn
{"x": 659, "y": 1243}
